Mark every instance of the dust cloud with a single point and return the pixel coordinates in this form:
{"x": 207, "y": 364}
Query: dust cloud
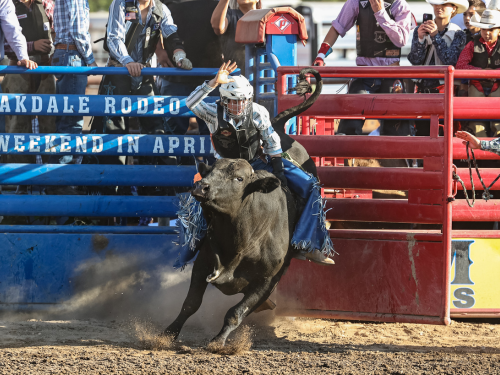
{"x": 131, "y": 288}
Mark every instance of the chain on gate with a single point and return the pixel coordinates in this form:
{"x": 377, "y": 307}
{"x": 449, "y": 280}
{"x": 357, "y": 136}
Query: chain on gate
{"x": 486, "y": 194}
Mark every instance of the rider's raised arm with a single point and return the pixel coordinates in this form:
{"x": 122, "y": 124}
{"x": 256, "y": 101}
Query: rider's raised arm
{"x": 206, "y": 111}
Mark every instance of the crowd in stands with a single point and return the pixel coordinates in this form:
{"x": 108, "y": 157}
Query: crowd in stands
{"x": 201, "y": 33}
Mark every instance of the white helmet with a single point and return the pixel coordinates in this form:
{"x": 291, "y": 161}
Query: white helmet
{"x": 239, "y": 90}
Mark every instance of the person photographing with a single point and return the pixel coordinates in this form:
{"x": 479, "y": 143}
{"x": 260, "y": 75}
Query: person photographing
{"x": 383, "y": 27}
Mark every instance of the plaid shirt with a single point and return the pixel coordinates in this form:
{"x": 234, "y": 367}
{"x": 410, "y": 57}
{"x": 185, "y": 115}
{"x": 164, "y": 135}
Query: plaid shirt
{"x": 71, "y": 24}
{"x": 493, "y": 146}
{"x": 48, "y": 5}
{"x": 208, "y": 113}
{"x": 118, "y": 28}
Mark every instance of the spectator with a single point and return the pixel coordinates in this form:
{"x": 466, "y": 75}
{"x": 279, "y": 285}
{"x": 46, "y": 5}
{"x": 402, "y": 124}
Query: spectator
{"x": 476, "y": 8}
{"x": 388, "y": 24}
{"x": 72, "y": 48}
{"x": 437, "y": 42}
{"x": 483, "y": 53}
{"x": 11, "y": 31}
{"x": 36, "y": 20}
{"x": 204, "y": 49}
{"x": 133, "y": 33}
{"x": 224, "y": 22}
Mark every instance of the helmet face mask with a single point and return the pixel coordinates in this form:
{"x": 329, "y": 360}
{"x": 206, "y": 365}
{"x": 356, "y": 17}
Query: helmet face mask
{"x": 236, "y": 97}
{"x": 237, "y": 109}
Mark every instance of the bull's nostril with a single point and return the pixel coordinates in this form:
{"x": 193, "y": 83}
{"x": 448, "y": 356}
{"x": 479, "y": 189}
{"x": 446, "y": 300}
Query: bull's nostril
{"x": 206, "y": 189}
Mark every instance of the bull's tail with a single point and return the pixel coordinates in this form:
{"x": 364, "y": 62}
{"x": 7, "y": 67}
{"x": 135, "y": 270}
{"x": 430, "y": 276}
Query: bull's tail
{"x": 303, "y": 87}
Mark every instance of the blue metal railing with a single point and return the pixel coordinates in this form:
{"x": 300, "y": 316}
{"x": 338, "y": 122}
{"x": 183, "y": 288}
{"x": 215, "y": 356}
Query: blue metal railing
{"x": 97, "y": 71}
{"x": 97, "y": 145}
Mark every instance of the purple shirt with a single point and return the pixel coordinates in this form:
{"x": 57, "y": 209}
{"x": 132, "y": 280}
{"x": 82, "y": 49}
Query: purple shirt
{"x": 11, "y": 31}
{"x": 397, "y": 29}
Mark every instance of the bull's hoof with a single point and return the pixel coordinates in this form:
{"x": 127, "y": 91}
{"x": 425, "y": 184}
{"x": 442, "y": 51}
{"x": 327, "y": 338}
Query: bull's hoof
{"x": 213, "y": 276}
{"x": 267, "y": 305}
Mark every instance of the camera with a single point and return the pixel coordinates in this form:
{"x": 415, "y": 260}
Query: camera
{"x": 427, "y": 17}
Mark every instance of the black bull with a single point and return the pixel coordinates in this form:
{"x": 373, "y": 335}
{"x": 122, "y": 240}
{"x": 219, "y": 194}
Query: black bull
{"x": 247, "y": 246}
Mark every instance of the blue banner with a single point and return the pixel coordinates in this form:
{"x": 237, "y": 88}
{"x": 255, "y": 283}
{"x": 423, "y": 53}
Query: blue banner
{"x": 96, "y": 105}
{"x": 106, "y": 144}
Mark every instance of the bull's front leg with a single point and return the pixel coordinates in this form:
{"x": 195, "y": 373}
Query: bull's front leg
{"x": 202, "y": 267}
{"x": 252, "y": 299}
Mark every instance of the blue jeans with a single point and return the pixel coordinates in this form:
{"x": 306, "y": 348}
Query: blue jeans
{"x": 69, "y": 84}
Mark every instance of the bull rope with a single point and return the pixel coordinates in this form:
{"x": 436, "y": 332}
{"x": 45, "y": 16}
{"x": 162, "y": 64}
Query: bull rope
{"x": 486, "y": 194}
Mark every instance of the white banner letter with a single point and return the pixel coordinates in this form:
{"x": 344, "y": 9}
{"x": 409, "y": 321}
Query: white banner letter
{"x": 173, "y": 142}
{"x": 97, "y": 147}
{"x": 83, "y": 104}
{"x": 81, "y": 145}
{"x": 52, "y": 108}
{"x": 20, "y": 108}
{"x": 18, "y": 143}
{"x": 158, "y": 106}
{"x": 126, "y": 106}
{"x": 36, "y": 104}
{"x": 34, "y": 146}
{"x": 158, "y": 148}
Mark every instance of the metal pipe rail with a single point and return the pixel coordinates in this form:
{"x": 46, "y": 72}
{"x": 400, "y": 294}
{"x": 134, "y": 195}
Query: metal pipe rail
{"x": 88, "y": 70}
{"x": 96, "y": 175}
{"x": 88, "y": 205}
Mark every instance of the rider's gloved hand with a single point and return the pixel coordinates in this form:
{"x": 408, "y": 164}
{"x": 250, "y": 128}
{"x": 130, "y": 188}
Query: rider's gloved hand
{"x": 182, "y": 61}
{"x": 278, "y": 170}
{"x": 323, "y": 50}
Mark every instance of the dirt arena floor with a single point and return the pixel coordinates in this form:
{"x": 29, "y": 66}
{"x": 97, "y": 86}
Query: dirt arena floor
{"x": 275, "y": 345}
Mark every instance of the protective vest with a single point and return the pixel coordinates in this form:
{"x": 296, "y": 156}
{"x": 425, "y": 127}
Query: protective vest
{"x": 235, "y": 144}
{"x": 371, "y": 39}
{"x": 33, "y": 21}
{"x": 152, "y": 30}
{"x": 481, "y": 59}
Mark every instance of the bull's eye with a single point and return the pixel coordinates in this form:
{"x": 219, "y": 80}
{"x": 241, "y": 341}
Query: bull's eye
{"x": 239, "y": 179}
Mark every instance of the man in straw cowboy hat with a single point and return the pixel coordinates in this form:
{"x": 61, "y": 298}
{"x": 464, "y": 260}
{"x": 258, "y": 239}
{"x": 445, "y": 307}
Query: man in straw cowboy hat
{"x": 437, "y": 42}
{"x": 483, "y": 53}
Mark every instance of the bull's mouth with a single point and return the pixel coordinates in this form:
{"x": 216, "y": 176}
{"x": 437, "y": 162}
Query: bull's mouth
{"x": 200, "y": 198}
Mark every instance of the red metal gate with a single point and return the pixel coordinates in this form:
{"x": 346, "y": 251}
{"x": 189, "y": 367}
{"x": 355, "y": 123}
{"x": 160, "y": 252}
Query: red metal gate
{"x": 384, "y": 275}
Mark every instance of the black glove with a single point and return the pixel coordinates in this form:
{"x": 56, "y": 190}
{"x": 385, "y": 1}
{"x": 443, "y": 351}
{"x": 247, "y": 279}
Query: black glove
{"x": 278, "y": 171}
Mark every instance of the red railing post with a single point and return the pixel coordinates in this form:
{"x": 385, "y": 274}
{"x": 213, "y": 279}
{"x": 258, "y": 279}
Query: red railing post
{"x": 448, "y": 188}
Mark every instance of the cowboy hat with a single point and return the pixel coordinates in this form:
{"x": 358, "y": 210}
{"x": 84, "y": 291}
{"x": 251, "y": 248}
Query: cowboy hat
{"x": 462, "y": 5}
{"x": 489, "y": 20}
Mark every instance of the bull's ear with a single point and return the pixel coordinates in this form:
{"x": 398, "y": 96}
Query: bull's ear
{"x": 263, "y": 185}
{"x": 204, "y": 169}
